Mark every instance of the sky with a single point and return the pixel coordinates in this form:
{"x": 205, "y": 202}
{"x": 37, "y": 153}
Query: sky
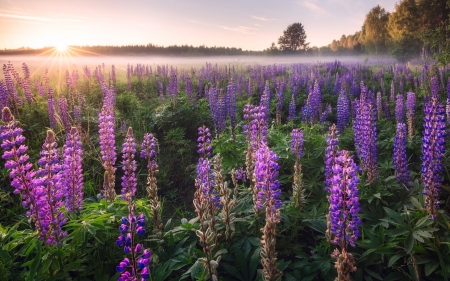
{"x": 246, "y": 24}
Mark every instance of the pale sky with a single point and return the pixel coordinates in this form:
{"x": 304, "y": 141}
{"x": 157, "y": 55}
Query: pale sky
{"x": 246, "y": 24}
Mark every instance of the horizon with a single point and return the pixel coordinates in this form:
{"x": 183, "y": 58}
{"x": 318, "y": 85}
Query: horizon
{"x": 251, "y": 25}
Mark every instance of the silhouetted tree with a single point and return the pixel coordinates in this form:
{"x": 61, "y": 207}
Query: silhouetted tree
{"x": 294, "y": 38}
{"x": 375, "y": 34}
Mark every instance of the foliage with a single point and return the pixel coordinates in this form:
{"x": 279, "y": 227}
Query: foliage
{"x": 293, "y": 38}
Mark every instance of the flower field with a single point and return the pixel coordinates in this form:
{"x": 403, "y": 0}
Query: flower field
{"x": 305, "y": 171}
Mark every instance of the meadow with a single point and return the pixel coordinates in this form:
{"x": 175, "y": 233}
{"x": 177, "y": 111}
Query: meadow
{"x": 237, "y": 170}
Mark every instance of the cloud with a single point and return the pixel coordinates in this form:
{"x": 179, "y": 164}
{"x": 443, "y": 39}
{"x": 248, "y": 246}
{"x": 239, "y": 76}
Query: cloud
{"x": 314, "y": 8}
{"x": 15, "y": 16}
{"x": 262, "y": 18}
{"x": 241, "y": 29}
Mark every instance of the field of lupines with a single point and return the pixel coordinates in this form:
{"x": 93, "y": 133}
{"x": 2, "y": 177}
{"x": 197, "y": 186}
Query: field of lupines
{"x": 278, "y": 172}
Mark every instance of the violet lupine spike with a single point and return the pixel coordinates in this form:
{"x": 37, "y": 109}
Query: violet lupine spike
{"x": 344, "y": 202}
{"x": 108, "y": 149}
{"x": 204, "y": 142}
{"x": 292, "y": 113}
{"x": 447, "y": 107}
{"x": 410, "y": 107}
{"x": 392, "y": 92}
{"x": 399, "y": 155}
{"x": 258, "y": 127}
{"x": 73, "y": 171}
{"x": 297, "y": 143}
{"x": 64, "y": 113}
{"x": 399, "y": 109}
{"x": 17, "y": 162}
{"x": 51, "y": 104}
{"x": 379, "y": 105}
{"x": 136, "y": 267}
{"x": 331, "y": 153}
{"x": 434, "y": 87}
{"x": 50, "y": 192}
{"x": 433, "y": 149}
{"x": 129, "y": 181}
{"x": 267, "y": 185}
{"x": 4, "y": 99}
{"x": 343, "y": 111}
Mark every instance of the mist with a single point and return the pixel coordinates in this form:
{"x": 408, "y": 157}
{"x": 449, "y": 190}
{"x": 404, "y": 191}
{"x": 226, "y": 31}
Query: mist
{"x": 58, "y": 65}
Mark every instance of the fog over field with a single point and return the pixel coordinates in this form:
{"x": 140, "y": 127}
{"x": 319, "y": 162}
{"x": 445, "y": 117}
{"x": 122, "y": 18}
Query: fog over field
{"x": 55, "y": 64}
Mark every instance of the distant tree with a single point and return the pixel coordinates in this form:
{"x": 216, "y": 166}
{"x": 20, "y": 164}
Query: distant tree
{"x": 438, "y": 37}
{"x": 402, "y": 27}
{"x": 294, "y": 38}
{"x": 374, "y": 31}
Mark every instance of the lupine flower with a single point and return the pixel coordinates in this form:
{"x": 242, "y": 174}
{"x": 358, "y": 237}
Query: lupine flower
{"x": 365, "y": 136}
{"x": 392, "y": 92}
{"x": 51, "y": 103}
{"x": 379, "y": 105}
{"x": 297, "y": 142}
{"x": 292, "y": 114}
{"x": 241, "y": 174}
{"x": 140, "y": 259}
{"x": 330, "y": 156}
{"x": 434, "y": 87}
{"x": 344, "y": 202}
{"x": 129, "y": 181}
{"x": 410, "y": 105}
{"x": 148, "y": 152}
{"x": 73, "y": 171}
{"x": 17, "y": 162}
{"x": 281, "y": 85}
{"x": 343, "y": 114}
{"x": 267, "y": 184}
{"x": 399, "y": 155}
{"x": 64, "y": 113}
{"x": 107, "y": 148}
{"x": 399, "y": 109}
{"x": 326, "y": 114}
{"x": 297, "y": 150}
{"x": 433, "y": 149}
{"x": 49, "y": 189}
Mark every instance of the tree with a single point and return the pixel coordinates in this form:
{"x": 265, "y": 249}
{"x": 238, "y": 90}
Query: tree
{"x": 374, "y": 30}
{"x": 402, "y": 27}
{"x": 293, "y": 38}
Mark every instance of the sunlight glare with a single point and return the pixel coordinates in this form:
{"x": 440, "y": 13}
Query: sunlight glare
{"x": 61, "y": 47}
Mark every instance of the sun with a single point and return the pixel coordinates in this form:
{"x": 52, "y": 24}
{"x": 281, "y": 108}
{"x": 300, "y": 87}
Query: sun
{"x": 61, "y": 47}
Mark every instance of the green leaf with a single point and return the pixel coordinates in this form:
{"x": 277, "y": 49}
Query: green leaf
{"x": 415, "y": 203}
{"x": 168, "y": 225}
{"x": 91, "y": 229}
{"x": 36, "y": 262}
{"x": 409, "y": 242}
{"x": 373, "y": 274}
{"x": 393, "y": 259}
{"x": 430, "y": 267}
{"x": 424, "y": 234}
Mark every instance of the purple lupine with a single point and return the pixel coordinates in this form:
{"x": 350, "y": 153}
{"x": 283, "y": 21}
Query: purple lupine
{"x": 266, "y": 174}
{"x": 399, "y": 155}
{"x": 149, "y": 151}
{"x": 292, "y": 105}
{"x": 433, "y": 149}
{"x": 387, "y": 109}
{"x": 331, "y": 153}
{"x": 344, "y": 202}
{"x": 3, "y": 95}
{"x": 25, "y": 83}
{"x": 365, "y": 135}
{"x": 64, "y": 113}
{"x": 399, "y": 109}
{"x": 258, "y": 128}
{"x": 447, "y": 106}
{"x": 241, "y": 174}
{"x": 205, "y": 177}
{"x": 268, "y": 193}
{"x": 281, "y": 85}
{"x": 392, "y": 92}
{"x": 410, "y": 106}
{"x": 108, "y": 149}
{"x": 297, "y": 143}
{"x": 434, "y": 87}
{"x": 129, "y": 181}
{"x": 20, "y": 170}
{"x": 343, "y": 114}
{"x": 50, "y": 192}
{"x": 137, "y": 268}
{"x": 231, "y": 105}
{"x": 51, "y": 104}
{"x": 129, "y": 77}
{"x": 326, "y": 114}
{"x": 379, "y": 105}
{"x": 265, "y": 102}
{"x": 73, "y": 171}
